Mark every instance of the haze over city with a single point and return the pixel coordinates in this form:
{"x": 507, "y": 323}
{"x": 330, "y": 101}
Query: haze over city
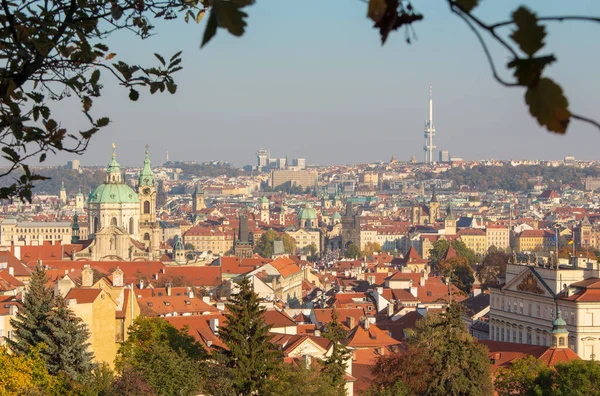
{"x": 312, "y": 80}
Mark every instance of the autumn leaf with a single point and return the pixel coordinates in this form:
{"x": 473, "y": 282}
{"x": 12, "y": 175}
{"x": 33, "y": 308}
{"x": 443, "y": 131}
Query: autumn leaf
{"x": 376, "y": 10}
{"x": 548, "y": 105}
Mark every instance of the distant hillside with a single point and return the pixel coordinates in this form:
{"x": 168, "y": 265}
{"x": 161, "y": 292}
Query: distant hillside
{"x": 513, "y": 178}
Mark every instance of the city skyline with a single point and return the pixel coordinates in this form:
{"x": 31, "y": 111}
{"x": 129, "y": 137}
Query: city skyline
{"x": 322, "y": 93}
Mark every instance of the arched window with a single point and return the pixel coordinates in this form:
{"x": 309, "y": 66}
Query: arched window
{"x": 96, "y": 224}
{"x": 146, "y": 237}
{"x": 131, "y": 225}
{"x": 146, "y": 207}
{"x": 113, "y": 221}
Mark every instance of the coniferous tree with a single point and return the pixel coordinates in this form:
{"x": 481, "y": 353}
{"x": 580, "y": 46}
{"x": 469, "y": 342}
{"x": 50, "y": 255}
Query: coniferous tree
{"x": 250, "y": 355}
{"x": 66, "y": 341}
{"x": 31, "y": 321}
{"x": 335, "y": 364}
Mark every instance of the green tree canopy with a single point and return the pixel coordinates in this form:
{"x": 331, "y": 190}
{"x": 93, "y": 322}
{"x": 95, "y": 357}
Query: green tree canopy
{"x": 352, "y": 251}
{"x": 250, "y": 356}
{"x": 64, "y": 328}
{"x": 492, "y": 266}
{"x": 442, "y": 359}
{"x": 264, "y": 246}
{"x": 167, "y": 359}
{"x": 56, "y": 50}
{"x": 31, "y": 322}
{"x": 441, "y": 246}
{"x": 336, "y": 363}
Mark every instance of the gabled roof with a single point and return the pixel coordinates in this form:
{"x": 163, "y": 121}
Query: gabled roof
{"x": 373, "y": 337}
{"x": 18, "y": 267}
{"x": 83, "y": 296}
{"x": 286, "y": 266}
{"x": 198, "y": 326}
{"x": 450, "y": 253}
{"x": 278, "y": 319}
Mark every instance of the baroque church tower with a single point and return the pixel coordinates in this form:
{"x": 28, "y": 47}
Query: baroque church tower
{"x": 198, "y": 200}
{"x": 149, "y": 226}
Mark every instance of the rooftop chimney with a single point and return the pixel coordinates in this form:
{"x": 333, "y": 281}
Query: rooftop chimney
{"x": 117, "y": 277}
{"x": 87, "y": 277}
{"x": 350, "y": 321}
{"x": 168, "y": 289}
{"x": 214, "y": 325}
{"x": 11, "y": 271}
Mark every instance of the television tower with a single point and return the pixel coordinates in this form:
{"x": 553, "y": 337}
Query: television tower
{"x": 429, "y": 132}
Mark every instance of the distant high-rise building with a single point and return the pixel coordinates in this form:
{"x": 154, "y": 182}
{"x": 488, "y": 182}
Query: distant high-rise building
{"x": 429, "y": 148}
{"x": 73, "y": 165}
{"x": 263, "y": 158}
{"x": 300, "y": 163}
{"x": 444, "y": 156}
{"x": 282, "y": 163}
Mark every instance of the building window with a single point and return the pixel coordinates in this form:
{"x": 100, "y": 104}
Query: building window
{"x": 520, "y": 337}
{"x": 561, "y": 341}
{"x": 146, "y": 207}
{"x": 131, "y": 225}
{"x": 113, "y": 221}
{"x": 146, "y": 237}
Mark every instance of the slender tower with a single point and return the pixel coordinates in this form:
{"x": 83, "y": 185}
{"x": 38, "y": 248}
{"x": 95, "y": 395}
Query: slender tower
{"x": 429, "y": 148}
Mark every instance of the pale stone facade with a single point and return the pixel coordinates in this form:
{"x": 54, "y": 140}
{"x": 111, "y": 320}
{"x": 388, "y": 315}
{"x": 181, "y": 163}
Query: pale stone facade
{"x": 523, "y": 309}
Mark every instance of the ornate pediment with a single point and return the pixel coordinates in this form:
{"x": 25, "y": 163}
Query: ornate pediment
{"x": 530, "y": 284}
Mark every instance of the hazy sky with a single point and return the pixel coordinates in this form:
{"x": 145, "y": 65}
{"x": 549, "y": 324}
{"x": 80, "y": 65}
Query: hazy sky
{"x": 310, "y": 79}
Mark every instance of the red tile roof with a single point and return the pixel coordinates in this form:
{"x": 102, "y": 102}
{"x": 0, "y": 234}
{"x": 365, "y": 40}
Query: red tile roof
{"x": 373, "y": 337}
{"x": 83, "y": 296}
{"x": 278, "y": 319}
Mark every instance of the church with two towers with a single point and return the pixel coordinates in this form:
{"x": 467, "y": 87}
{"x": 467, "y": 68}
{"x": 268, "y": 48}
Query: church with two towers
{"x": 122, "y": 221}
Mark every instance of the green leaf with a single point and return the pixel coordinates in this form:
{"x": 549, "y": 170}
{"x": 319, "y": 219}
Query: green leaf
{"x": 171, "y": 87}
{"x": 88, "y": 134}
{"x": 528, "y": 71}
{"x": 134, "y": 95}
{"x": 529, "y": 35}
{"x": 467, "y": 5}
{"x": 211, "y": 28}
{"x": 11, "y": 154}
{"x": 45, "y": 111}
{"x": 174, "y": 57}
{"x": 95, "y": 77}
{"x": 161, "y": 59}
{"x": 230, "y": 16}
{"x": 377, "y": 9}
{"x": 43, "y": 157}
{"x": 102, "y": 122}
{"x": 548, "y": 105}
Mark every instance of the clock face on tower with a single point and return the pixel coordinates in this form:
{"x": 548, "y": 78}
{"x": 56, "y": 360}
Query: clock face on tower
{"x": 147, "y": 191}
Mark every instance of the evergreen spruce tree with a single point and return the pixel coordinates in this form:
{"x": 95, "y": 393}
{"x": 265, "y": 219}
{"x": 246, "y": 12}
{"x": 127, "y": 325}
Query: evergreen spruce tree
{"x": 251, "y": 357}
{"x": 335, "y": 364}
{"x": 66, "y": 342}
{"x": 31, "y": 321}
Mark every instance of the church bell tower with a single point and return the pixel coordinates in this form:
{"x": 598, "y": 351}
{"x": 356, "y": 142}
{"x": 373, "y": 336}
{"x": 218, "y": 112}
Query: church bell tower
{"x": 149, "y": 226}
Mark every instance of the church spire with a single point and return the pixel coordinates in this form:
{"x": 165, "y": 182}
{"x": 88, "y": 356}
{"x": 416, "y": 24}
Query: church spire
{"x": 433, "y": 195}
{"x": 146, "y": 175}
{"x": 113, "y": 171}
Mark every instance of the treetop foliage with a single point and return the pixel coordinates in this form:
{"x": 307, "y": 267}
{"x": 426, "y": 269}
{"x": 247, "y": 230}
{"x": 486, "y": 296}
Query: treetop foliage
{"x": 54, "y": 50}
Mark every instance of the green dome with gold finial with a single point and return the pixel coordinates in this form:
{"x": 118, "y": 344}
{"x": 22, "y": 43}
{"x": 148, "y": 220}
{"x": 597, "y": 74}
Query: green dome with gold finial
{"x": 113, "y": 190}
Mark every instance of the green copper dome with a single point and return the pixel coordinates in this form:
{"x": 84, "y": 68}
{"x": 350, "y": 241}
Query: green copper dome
{"x": 113, "y": 190}
{"x": 114, "y": 193}
{"x": 308, "y": 213}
